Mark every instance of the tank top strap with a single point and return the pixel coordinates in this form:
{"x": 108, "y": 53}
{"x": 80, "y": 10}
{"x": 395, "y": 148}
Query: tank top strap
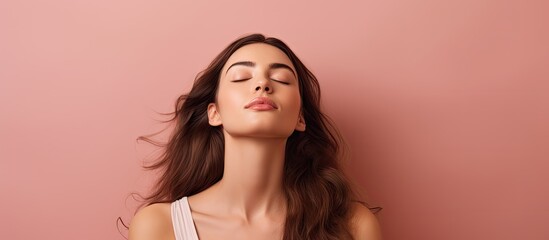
{"x": 182, "y": 220}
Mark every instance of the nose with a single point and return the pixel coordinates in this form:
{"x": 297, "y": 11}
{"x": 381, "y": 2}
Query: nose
{"x": 264, "y": 86}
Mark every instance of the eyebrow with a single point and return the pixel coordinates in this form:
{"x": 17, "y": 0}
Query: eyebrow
{"x": 271, "y": 66}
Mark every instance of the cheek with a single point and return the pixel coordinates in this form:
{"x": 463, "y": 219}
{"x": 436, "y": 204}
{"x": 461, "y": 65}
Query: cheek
{"x": 229, "y": 99}
{"x": 294, "y": 101}
{"x": 291, "y": 113}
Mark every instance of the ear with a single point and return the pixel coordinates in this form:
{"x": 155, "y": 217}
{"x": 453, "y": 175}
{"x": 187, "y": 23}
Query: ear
{"x": 300, "y": 126}
{"x": 213, "y": 115}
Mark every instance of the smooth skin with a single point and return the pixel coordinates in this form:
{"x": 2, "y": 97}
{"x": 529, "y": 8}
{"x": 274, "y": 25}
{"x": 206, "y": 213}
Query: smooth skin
{"x": 248, "y": 202}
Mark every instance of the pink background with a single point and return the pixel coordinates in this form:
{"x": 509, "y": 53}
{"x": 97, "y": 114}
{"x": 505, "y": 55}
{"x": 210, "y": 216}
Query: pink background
{"x": 444, "y": 104}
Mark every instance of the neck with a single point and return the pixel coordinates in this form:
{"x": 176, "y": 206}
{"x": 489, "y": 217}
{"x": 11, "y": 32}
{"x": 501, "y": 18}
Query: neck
{"x": 252, "y": 178}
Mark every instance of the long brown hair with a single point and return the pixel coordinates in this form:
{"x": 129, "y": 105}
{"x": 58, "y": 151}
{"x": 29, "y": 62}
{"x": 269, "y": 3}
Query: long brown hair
{"x": 319, "y": 196}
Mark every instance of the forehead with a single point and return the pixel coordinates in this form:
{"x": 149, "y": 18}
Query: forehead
{"x": 260, "y": 53}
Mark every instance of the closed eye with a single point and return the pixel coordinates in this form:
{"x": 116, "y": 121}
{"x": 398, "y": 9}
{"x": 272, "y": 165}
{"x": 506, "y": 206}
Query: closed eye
{"x": 279, "y": 81}
{"x": 240, "y": 80}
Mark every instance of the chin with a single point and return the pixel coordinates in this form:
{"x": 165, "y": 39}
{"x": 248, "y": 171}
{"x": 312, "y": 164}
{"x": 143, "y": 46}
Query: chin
{"x": 262, "y": 133}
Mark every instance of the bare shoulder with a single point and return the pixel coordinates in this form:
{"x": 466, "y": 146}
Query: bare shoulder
{"x": 364, "y": 224}
{"x": 152, "y": 222}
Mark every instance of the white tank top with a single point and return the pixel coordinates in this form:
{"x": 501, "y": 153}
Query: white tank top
{"x": 182, "y": 220}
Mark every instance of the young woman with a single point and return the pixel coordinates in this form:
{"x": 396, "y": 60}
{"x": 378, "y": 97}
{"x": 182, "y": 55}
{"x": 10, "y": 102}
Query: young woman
{"x": 252, "y": 157}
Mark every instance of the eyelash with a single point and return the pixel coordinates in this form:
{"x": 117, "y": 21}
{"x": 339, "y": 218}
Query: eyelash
{"x": 278, "y": 81}
{"x": 240, "y": 80}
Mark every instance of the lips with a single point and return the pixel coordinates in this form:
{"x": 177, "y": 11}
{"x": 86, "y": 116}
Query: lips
{"x": 261, "y": 103}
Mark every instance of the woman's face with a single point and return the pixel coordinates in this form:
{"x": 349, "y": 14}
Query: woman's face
{"x": 258, "y": 94}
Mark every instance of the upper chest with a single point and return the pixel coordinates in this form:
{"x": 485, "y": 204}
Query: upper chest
{"x": 222, "y": 227}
